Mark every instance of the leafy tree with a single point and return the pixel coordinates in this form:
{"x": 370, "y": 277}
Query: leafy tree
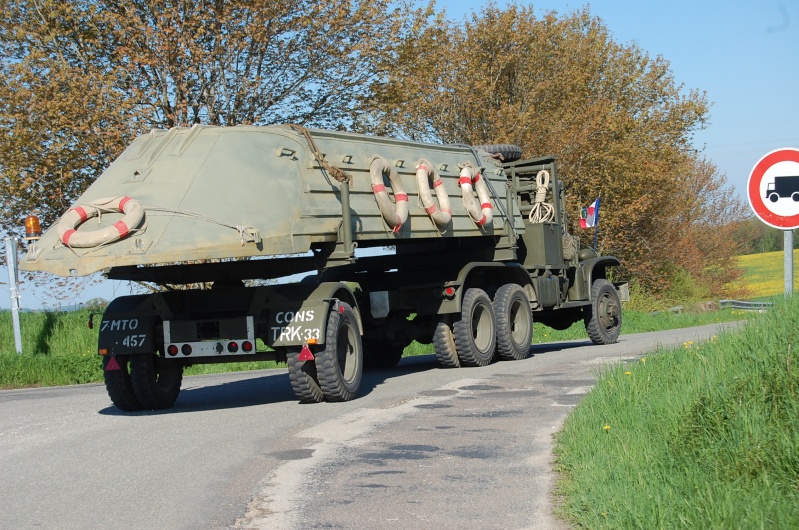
{"x": 755, "y": 237}
{"x": 618, "y": 122}
{"x": 79, "y": 79}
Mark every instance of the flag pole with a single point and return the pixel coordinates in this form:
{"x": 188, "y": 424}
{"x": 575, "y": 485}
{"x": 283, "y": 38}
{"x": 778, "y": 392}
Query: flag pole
{"x": 596, "y": 220}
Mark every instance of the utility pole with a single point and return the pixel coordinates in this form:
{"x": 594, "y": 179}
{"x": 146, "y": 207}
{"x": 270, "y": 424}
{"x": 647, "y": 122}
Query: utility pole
{"x": 13, "y": 287}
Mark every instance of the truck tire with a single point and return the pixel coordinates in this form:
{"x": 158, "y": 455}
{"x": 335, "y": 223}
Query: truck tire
{"x": 304, "y": 381}
{"x": 509, "y": 152}
{"x": 381, "y": 354}
{"x": 340, "y": 365}
{"x": 156, "y": 384}
{"x": 514, "y": 323}
{"x": 603, "y": 316}
{"x": 444, "y": 343}
{"x": 475, "y": 331}
{"x": 118, "y": 385}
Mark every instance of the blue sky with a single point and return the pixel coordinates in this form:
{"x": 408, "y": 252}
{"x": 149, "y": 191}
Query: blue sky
{"x": 744, "y": 54}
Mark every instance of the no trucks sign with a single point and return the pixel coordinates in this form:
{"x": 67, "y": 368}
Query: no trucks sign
{"x": 773, "y": 188}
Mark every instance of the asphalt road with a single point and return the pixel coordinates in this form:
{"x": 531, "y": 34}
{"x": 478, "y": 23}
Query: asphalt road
{"x": 422, "y": 447}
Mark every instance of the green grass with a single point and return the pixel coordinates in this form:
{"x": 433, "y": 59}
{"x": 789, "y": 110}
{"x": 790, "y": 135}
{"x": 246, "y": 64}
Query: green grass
{"x": 703, "y": 436}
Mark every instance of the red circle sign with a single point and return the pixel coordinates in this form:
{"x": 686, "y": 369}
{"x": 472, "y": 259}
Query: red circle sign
{"x": 773, "y": 188}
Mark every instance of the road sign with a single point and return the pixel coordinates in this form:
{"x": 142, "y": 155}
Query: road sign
{"x": 773, "y": 188}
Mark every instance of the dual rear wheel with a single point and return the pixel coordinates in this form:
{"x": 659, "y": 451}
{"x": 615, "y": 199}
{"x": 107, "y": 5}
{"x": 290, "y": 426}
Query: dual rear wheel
{"x": 142, "y": 382}
{"x": 484, "y": 329}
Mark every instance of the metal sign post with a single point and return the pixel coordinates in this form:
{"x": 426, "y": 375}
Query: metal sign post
{"x": 787, "y": 245}
{"x": 773, "y": 192}
{"x": 13, "y": 287}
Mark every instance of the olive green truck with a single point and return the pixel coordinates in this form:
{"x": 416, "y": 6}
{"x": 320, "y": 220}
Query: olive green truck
{"x": 398, "y": 240}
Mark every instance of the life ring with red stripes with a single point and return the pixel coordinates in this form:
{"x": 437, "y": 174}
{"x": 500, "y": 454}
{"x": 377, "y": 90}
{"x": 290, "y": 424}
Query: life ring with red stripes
{"x": 394, "y": 213}
{"x": 440, "y": 213}
{"x": 67, "y": 227}
{"x": 482, "y": 213}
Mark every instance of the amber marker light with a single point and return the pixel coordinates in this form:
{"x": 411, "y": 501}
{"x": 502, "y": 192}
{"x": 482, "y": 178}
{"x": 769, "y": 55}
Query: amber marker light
{"x": 33, "y": 230}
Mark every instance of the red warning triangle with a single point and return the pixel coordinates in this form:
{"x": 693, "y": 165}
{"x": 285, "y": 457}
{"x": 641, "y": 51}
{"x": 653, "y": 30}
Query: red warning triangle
{"x": 112, "y": 365}
{"x": 305, "y": 354}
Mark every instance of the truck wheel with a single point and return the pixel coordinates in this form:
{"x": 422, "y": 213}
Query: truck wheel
{"x": 773, "y": 197}
{"x": 380, "y": 354}
{"x": 795, "y": 196}
{"x": 474, "y": 332}
{"x": 155, "y": 383}
{"x": 340, "y": 365}
{"x": 603, "y": 322}
{"x": 514, "y": 323}
{"x": 304, "y": 381}
{"x": 509, "y": 152}
{"x": 118, "y": 385}
{"x": 444, "y": 344}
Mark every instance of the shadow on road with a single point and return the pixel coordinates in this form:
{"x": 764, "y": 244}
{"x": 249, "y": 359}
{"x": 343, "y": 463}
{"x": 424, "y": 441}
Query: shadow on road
{"x": 273, "y": 387}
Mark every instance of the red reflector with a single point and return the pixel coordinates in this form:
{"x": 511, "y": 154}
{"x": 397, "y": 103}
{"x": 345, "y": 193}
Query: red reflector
{"x": 341, "y": 309}
{"x": 112, "y": 365}
{"x": 246, "y": 346}
{"x": 449, "y": 291}
{"x": 305, "y": 354}
{"x": 172, "y": 350}
{"x": 232, "y": 347}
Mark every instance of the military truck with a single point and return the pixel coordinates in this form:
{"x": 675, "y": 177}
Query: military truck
{"x": 466, "y": 251}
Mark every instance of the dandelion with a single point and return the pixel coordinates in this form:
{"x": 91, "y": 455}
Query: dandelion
{"x": 606, "y": 427}
{"x": 643, "y": 360}
{"x": 628, "y": 373}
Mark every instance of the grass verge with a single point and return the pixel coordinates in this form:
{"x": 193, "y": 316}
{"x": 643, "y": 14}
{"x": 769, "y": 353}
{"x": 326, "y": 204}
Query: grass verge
{"x": 703, "y": 436}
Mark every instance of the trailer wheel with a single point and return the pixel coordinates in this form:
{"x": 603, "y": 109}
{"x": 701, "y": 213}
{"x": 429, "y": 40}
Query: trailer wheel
{"x": 603, "y": 316}
{"x": 475, "y": 331}
{"x": 444, "y": 344}
{"x": 118, "y": 385}
{"x": 514, "y": 323}
{"x": 304, "y": 381}
{"x": 155, "y": 383}
{"x": 340, "y": 365}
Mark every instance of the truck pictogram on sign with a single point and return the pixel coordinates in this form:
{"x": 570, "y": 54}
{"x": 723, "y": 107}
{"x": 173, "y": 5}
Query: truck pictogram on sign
{"x": 783, "y": 186}
{"x": 773, "y": 188}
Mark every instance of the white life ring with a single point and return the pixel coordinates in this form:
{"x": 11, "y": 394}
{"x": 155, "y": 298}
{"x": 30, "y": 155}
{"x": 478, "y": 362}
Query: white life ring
{"x": 394, "y": 213}
{"x": 424, "y": 170}
{"x": 482, "y": 213}
{"x": 70, "y": 221}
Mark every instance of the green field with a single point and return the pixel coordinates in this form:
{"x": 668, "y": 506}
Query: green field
{"x": 764, "y": 273}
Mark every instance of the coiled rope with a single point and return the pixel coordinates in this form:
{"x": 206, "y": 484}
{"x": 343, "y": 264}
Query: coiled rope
{"x": 542, "y": 212}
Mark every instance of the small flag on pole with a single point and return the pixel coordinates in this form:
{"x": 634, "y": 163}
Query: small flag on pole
{"x": 590, "y": 216}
